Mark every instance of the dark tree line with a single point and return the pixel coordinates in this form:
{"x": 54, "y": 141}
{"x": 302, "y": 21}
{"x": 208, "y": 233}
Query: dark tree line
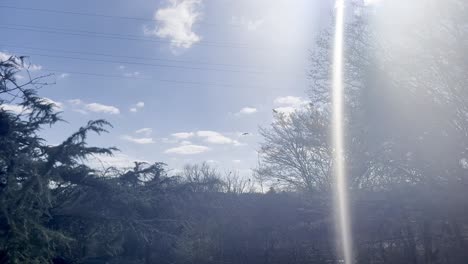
{"x": 407, "y": 144}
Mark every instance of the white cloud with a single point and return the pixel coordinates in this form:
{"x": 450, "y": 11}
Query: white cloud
{"x": 169, "y": 140}
{"x": 75, "y": 101}
{"x": 145, "y": 131}
{"x": 175, "y": 23}
{"x": 137, "y": 106}
{"x": 185, "y": 142}
{"x": 132, "y": 74}
{"x": 187, "y": 150}
{"x": 288, "y": 100}
{"x": 464, "y": 163}
{"x": 16, "y": 109}
{"x": 81, "y": 107}
{"x": 247, "y": 111}
{"x": 63, "y": 75}
{"x": 121, "y": 67}
{"x": 81, "y": 111}
{"x": 142, "y": 141}
{"x": 208, "y": 136}
{"x": 216, "y": 138}
{"x": 250, "y": 24}
{"x": 183, "y": 135}
{"x": 289, "y": 104}
{"x": 19, "y": 77}
{"x": 33, "y": 67}
{"x": 27, "y": 66}
{"x": 236, "y": 161}
{"x": 4, "y": 56}
{"x": 58, "y": 106}
{"x": 100, "y": 108}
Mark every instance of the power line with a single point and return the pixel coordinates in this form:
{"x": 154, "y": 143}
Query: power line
{"x": 130, "y": 36}
{"x": 93, "y": 14}
{"x": 146, "y": 64}
{"x": 114, "y": 37}
{"x": 148, "y": 78}
{"x": 245, "y": 70}
{"x": 122, "y": 56}
{"x": 75, "y": 13}
{"x": 97, "y": 74}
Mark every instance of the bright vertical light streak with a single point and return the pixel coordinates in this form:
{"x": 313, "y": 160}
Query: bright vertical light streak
{"x": 341, "y": 193}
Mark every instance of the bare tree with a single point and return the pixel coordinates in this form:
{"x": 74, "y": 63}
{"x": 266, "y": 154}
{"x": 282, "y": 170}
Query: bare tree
{"x": 234, "y": 183}
{"x": 296, "y": 151}
{"x": 202, "y": 177}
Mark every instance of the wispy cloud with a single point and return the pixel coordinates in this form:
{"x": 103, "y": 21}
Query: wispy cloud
{"x": 247, "y": 111}
{"x": 19, "y": 76}
{"x": 208, "y": 136}
{"x": 75, "y": 101}
{"x": 214, "y": 137}
{"x": 137, "y": 107}
{"x": 132, "y": 74}
{"x": 81, "y": 111}
{"x": 127, "y": 72}
{"x": 81, "y": 107}
{"x": 101, "y": 108}
{"x": 187, "y": 150}
{"x": 183, "y": 135}
{"x": 143, "y": 136}
{"x": 175, "y": 22}
{"x": 137, "y": 140}
{"x": 145, "y": 131}
{"x": 16, "y": 109}
{"x": 33, "y": 67}
{"x": 64, "y": 75}
{"x": 249, "y": 24}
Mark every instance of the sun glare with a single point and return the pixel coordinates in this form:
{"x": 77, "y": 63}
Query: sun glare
{"x": 341, "y": 196}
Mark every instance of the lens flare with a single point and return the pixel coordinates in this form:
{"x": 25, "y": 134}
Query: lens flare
{"x": 341, "y": 195}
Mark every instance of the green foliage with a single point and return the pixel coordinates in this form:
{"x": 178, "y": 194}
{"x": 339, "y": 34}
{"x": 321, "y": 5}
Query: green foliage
{"x": 30, "y": 166}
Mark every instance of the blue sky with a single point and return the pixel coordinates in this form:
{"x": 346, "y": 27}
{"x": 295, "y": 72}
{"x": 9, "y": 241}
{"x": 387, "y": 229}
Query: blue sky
{"x": 214, "y": 69}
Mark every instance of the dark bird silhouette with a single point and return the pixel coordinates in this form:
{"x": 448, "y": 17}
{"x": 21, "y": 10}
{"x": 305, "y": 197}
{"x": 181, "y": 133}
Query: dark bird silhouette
{"x": 245, "y": 134}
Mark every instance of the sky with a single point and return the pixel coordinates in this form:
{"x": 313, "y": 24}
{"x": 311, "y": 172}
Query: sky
{"x": 182, "y": 81}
